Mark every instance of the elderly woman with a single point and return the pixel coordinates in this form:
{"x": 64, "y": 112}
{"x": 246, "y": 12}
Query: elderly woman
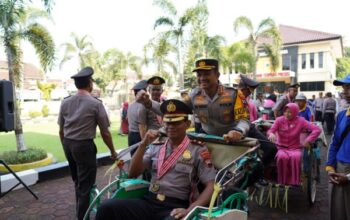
{"x": 285, "y": 132}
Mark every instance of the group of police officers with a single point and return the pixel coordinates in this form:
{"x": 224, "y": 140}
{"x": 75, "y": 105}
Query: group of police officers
{"x": 176, "y": 165}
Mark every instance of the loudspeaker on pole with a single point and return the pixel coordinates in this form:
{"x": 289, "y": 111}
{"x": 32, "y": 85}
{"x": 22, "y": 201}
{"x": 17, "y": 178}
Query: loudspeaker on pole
{"x": 6, "y": 106}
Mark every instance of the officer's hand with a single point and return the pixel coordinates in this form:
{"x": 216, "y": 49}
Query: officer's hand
{"x": 143, "y": 97}
{"x": 272, "y": 138}
{"x": 178, "y": 213}
{"x": 338, "y": 178}
{"x": 233, "y": 136}
{"x": 151, "y": 135}
{"x": 114, "y": 155}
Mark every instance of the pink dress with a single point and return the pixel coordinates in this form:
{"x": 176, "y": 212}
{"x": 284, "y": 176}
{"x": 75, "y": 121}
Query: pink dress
{"x": 289, "y": 153}
{"x": 253, "y": 112}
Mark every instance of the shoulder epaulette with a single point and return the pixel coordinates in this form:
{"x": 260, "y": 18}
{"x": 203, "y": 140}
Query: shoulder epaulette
{"x": 67, "y": 97}
{"x": 98, "y": 99}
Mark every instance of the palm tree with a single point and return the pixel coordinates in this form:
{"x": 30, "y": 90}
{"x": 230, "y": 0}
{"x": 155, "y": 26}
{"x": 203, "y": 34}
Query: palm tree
{"x": 160, "y": 48}
{"x": 176, "y": 29}
{"x": 80, "y": 47}
{"x": 266, "y": 29}
{"x": 16, "y": 24}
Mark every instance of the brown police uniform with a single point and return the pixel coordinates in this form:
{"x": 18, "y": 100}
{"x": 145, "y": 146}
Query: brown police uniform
{"x": 79, "y": 116}
{"x": 174, "y": 188}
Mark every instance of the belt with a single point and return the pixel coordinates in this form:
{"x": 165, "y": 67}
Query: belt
{"x": 163, "y": 198}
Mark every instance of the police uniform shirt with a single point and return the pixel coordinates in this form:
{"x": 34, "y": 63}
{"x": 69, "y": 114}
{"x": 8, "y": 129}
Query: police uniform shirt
{"x": 137, "y": 114}
{"x": 221, "y": 114}
{"x": 152, "y": 120}
{"x": 283, "y": 101}
{"x": 177, "y": 181}
{"x": 80, "y": 114}
{"x": 319, "y": 104}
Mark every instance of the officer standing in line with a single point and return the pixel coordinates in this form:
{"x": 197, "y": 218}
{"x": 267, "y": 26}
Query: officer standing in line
{"x": 176, "y": 166}
{"x": 285, "y": 99}
{"x": 137, "y": 117}
{"x": 155, "y": 89}
{"x": 78, "y": 118}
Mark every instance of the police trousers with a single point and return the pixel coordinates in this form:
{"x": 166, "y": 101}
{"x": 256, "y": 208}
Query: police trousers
{"x": 81, "y": 157}
{"x": 139, "y": 209}
{"x": 329, "y": 118}
{"x": 133, "y": 138}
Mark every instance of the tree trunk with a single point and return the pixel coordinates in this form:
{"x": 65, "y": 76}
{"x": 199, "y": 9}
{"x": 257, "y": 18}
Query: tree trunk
{"x": 18, "y": 123}
{"x": 179, "y": 56}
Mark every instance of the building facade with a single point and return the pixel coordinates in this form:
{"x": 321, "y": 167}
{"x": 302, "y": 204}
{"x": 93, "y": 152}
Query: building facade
{"x": 307, "y": 57}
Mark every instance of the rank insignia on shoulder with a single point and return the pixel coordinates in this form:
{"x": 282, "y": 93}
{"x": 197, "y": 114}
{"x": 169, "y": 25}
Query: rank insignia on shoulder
{"x": 97, "y": 99}
{"x": 205, "y": 155}
{"x": 67, "y": 97}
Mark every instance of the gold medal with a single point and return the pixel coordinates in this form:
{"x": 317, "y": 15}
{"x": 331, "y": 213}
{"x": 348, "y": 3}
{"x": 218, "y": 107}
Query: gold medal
{"x": 187, "y": 155}
{"x": 161, "y": 197}
{"x": 155, "y": 187}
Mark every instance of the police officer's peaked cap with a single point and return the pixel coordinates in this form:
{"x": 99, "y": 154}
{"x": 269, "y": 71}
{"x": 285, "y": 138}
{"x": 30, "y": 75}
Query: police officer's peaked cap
{"x": 85, "y": 72}
{"x": 246, "y": 82}
{"x": 300, "y": 96}
{"x": 206, "y": 64}
{"x": 174, "y": 110}
{"x": 140, "y": 85}
{"x": 156, "y": 81}
{"x": 294, "y": 85}
{"x": 340, "y": 82}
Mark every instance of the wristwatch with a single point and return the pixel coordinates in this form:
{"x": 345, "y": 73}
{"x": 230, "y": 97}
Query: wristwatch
{"x": 348, "y": 176}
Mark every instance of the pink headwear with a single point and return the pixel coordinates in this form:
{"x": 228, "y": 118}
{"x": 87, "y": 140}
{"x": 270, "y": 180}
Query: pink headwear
{"x": 294, "y": 108}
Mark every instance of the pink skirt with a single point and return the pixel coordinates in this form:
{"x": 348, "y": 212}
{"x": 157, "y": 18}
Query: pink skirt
{"x": 288, "y": 166}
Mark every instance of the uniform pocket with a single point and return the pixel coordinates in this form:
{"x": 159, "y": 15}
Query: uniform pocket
{"x": 183, "y": 168}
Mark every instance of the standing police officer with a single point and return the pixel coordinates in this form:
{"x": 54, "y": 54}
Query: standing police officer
{"x": 137, "y": 117}
{"x": 78, "y": 118}
{"x": 176, "y": 166}
{"x": 213, "y": 104}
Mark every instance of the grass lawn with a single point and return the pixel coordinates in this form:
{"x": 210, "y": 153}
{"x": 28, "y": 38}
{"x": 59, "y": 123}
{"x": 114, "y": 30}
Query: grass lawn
{"x": 45, "y": 135}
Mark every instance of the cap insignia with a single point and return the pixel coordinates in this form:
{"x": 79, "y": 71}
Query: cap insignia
{"x": 171, "y": 107}
{"x": 201, "y": 64}
{"x": 156, "y": 82}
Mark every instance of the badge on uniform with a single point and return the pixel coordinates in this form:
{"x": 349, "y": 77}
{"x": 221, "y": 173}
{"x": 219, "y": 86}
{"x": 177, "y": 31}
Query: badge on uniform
{"x": 186, "y": 155}
{"x": 155, "y": 187}
{"x": 206, "y": 158}
{"x": 161, "y": 197}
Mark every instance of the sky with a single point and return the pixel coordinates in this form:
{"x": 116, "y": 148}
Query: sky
{"x": 128, "y": 24}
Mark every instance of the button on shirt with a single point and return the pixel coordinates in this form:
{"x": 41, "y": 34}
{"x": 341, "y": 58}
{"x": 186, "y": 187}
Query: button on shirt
{"x": 177, "y": 182}
{"x": 80, "y": 114}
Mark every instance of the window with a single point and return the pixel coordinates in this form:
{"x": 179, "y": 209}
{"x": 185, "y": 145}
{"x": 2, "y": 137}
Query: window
{"x": 303, "y": 61}
{"x": 312, "y": 60}
{"x": 320, "y": 60}
{"x": 312, "y": 86}
{"x": 286, "y": 62}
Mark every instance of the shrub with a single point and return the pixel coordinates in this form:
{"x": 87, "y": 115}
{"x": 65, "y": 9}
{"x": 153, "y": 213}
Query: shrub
{"x": 34, "y": 114}
{"x": 30, "y": 155}
{"x": 45, "y": 111}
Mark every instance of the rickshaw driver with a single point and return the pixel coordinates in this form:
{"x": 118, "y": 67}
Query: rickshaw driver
{"x": 177, "y": 165}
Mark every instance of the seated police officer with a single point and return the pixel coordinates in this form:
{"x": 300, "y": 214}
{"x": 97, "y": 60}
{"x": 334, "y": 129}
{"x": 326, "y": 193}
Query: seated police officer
{"x": 176, "y": 166}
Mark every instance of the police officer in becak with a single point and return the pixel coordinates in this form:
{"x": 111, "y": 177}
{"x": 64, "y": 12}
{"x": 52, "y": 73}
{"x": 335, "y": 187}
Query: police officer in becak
{"x": 246, "y": 88}
{"x": 176, "y": 165}
{"x": 213, "y": 103}
{"x": 78, "y": 118}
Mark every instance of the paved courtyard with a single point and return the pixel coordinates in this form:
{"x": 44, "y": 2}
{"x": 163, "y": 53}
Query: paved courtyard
{"x": 56, "y": 201}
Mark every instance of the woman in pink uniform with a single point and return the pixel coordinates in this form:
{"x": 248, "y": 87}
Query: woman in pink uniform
{"x": 285, "y": 132}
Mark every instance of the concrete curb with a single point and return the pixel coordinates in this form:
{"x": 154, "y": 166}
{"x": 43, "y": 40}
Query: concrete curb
{"x": 50, "y": 172}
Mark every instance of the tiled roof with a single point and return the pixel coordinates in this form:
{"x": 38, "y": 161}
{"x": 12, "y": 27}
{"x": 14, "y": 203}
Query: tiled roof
{"x": 296, "y": 35}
